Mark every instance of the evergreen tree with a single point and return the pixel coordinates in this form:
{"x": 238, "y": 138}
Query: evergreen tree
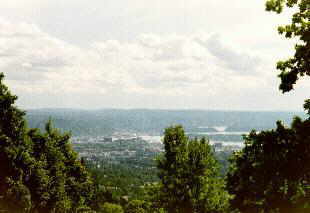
{"x": 15, "y": 158}
{"x": 59, "y": 180}
{"x": 39, "y": 172}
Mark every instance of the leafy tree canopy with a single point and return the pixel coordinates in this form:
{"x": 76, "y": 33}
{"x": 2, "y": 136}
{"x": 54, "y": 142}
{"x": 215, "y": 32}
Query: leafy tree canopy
{"x": 299, "y": 64}
{"x": 272, "y": 172}
{"x": 189, "y": 175}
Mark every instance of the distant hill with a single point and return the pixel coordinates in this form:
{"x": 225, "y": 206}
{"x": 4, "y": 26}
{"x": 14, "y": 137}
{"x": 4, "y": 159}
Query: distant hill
{"x": 107, "y": 121}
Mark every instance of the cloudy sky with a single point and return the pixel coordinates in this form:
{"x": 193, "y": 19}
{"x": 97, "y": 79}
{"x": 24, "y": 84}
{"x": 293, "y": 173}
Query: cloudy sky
{"x": 170, "y": 54}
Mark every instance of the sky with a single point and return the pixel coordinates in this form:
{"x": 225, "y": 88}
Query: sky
{"x": 175, "y": 54}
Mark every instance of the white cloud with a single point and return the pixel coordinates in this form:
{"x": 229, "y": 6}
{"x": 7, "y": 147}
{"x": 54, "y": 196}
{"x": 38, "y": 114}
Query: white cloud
{"x": 229, "y": 58}
{"x": 167, "y": 71}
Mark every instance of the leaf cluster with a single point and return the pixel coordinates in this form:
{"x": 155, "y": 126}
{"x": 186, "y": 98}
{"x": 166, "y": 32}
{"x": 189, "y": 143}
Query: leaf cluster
{"x": 298, "y": 65}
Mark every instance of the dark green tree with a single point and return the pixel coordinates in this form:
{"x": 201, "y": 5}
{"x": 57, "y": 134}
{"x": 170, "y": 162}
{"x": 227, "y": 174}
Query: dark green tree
{"x": 272, "y": 172}
{"x": 58, "y": 180}
{"x": 298, "y": 65}
{"x": 39, "y": 172}
{"x": 15, "y": 157}
{"x": 189, "y": 175}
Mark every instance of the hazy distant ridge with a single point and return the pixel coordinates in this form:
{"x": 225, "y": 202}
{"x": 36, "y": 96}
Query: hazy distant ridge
{"x": 102, "y": 122}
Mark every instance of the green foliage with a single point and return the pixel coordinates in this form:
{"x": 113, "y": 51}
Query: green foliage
{"x": 122, "y": 179}
{"x": 111, "y": 208}
{"x": 100, "y": 194}
{"x": 58, "y": 179}
{"x": 189, "y": 175}
{"x": 272, "y": 172}
{"x": 223, "y": 158}
{"x": 307, "y": 106}
{"x": 299, "y": 64}
{"x": 14, "y": 155}
{"x": 39, "y": 172}
{"x": 137, "y": 206}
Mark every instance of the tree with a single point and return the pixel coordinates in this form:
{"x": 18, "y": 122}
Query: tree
{"x": 299, "y": 65}
{"x": 39, "y": 172}
{"x": 14, "y": 154}
{"x": 58, "y": 179}
{"x": 189, "y": 175}
{"x": 272, "y": 172}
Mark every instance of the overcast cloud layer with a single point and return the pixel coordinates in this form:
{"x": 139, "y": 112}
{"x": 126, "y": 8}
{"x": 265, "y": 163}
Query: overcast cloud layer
{"x": 136, "y": 54}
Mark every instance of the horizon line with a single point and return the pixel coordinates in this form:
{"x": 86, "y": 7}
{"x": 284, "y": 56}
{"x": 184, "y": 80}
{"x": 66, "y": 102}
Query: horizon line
{"x": 160, "y": 109}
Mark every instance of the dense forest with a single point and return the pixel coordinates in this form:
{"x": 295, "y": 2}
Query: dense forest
{"x": 40, "y": 172}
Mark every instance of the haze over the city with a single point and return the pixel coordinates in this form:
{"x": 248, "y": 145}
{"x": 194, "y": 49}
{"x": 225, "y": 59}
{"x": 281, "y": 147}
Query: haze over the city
{"x": 199, "y": 54}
